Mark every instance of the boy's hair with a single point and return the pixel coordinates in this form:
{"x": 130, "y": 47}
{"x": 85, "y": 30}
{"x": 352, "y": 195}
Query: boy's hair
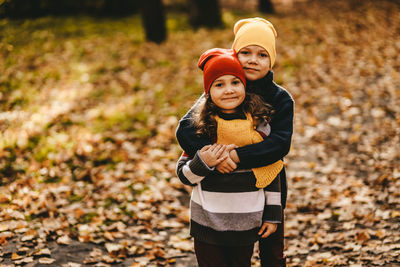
{"x": 205, "y": 112}
{"x": 255, "y": 31}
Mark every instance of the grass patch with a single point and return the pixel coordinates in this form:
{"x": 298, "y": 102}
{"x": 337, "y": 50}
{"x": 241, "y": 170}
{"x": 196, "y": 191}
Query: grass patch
{"x": 87, "y": 218}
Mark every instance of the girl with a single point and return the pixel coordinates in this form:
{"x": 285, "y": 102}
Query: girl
{"x": 255, "y": 46}
{"x": 227, "y": 210}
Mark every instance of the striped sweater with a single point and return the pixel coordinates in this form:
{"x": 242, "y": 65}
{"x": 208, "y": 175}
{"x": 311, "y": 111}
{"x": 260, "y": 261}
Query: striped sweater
{"x": 272, "y": 149}
{"x": 228, "y": 209}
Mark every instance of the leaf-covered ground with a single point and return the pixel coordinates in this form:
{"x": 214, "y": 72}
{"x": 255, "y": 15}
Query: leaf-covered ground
{"x": 88, "y": 112}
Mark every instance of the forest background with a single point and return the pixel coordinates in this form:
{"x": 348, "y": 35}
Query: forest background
{"x": 89, "y": 108}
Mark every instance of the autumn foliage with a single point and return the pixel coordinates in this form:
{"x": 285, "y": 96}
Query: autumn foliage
{"x": 88, "y": 112}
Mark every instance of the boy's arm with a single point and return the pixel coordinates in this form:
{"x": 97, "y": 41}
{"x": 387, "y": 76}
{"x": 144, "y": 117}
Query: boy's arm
{"x": 273, "y": 205}
{"x": 276, "y": 145}
{"x": 186, "y": 133}
{"x": 272, "y": 214}
{"x": 191, "y": 171}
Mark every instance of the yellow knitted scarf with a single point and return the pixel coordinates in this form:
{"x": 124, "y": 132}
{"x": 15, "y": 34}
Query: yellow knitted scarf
{"x": 241, "y": 133}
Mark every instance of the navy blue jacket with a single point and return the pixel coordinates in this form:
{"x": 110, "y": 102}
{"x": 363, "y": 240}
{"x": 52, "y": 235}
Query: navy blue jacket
{"x": 272, "y": 149}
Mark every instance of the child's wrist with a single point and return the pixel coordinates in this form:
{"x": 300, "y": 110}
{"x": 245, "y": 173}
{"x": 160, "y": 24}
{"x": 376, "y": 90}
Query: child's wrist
{"x": 234, "y": 156}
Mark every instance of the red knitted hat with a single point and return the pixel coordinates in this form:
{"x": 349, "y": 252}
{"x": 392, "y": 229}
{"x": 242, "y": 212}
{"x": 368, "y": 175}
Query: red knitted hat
{"x": 217, "y": 62}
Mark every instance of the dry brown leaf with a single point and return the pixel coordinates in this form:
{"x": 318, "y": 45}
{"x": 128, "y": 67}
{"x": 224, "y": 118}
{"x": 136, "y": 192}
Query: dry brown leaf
{"x": 109, "y": 259}
{"x": 63, "y": 240}
{"x": 108, "y": 236}
{"x": 46, "y": 260}
{"x": 72, "y": 264}
{"x": 3, "y": 227}
{"x": 113, "y": 247}
{"x": 15, "y": 256}
{"x": 42, "y": 252}
{"x": 183, "y": 245}
{"x": 362, "y": 236}
{"x": 24, "y": 260}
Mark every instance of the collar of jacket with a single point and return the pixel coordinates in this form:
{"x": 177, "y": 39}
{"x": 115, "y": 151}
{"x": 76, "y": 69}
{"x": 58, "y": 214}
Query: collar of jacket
{"x": 265, "y": 87}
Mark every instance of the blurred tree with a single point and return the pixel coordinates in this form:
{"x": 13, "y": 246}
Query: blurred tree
{"x": 265, "y": 6}
{"x": 153, "y": 19}
{"x": 37, "y": 8}
{"x": 204, "y": 13}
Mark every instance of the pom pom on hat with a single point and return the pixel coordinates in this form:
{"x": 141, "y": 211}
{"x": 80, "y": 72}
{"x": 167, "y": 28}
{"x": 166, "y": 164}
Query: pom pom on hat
{"x": 255, "y": 31}
{"x": 217, "y": 62}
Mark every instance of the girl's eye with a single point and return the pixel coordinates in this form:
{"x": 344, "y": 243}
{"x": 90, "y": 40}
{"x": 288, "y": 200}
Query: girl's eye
{"x": 218, "y": 85}
{"x": 235, "y": 82}
{"x": 244, "y": 52}
{"x": 263, "y": 55}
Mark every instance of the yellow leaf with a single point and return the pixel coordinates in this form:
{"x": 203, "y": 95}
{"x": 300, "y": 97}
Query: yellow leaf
{"x": 395, "y": 214}
{"x": 3, "y": 227}
{"x": 15, "y": 256}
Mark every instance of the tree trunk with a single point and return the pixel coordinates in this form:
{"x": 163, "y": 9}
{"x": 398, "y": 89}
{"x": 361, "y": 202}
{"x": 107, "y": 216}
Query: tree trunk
{"x": 205, "y": 13}
{"x": 265, "y": 6}
{"x": 153, "y": 19}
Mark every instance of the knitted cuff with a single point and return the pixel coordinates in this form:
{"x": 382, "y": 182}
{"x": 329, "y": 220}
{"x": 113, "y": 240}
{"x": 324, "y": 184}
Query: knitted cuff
{"x": 199, "y": 167}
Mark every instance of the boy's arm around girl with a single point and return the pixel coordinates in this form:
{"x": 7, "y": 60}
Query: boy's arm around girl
{"x": 272, "y": 148}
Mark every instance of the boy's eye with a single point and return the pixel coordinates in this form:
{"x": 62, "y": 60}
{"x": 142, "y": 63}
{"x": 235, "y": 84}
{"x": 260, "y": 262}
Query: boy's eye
{"x": 244, "y": 52}
{"x": 218, "y": 84}
{"x": 263, "y": 55}
{"x": 235, "y": 82}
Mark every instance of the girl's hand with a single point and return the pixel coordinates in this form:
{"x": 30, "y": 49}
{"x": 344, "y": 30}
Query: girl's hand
{"x": 212, "y": 155}
{"x": 267, "y": 229}
{"x": 226, "y": 166}
{"x": 229, "y": 164}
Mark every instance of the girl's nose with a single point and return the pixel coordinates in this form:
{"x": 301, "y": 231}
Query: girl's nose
{"x": 228, "y": 90}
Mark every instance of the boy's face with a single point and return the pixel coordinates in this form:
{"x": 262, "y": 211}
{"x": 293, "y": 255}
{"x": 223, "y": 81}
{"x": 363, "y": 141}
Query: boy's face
{"x": 255, "y": 62}
{"x": 227, "y": 92}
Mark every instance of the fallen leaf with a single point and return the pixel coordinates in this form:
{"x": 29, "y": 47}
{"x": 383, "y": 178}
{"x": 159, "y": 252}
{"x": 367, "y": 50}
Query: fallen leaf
{"x": 63, "y": 240}
{"x": 108, "y": 236}
{"x": 46, "y": 260}
{"x": 112, "y": 247}
{"x": 3, "y": 227}
{"x": 109, "y": 259}
{"x": 71, "y": 264}
{"x": 183, "y": 245}
{"x": 24, "y": 260}
{"x": 15, "y": 256}
{"x": 362, "y": 236}
{"x": 42, "y": 252}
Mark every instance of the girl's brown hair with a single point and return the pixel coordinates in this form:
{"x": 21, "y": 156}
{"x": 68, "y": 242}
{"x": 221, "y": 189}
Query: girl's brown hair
{"x": 206, "y": 110}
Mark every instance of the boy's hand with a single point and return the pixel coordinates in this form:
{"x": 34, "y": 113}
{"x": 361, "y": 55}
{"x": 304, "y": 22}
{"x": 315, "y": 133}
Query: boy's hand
{"x": 212, "y": 155}
{"x": 228, "y": 165}
{"x": 267, "y": 229}
{"x": 234, "y": 156}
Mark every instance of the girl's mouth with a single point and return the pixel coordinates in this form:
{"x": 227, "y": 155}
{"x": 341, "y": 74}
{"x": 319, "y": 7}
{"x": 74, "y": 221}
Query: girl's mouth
{"x": 230, "y": 98}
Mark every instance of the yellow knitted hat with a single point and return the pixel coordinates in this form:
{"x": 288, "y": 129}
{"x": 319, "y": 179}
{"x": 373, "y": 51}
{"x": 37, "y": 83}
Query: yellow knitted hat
{"x": 255, "y": 31}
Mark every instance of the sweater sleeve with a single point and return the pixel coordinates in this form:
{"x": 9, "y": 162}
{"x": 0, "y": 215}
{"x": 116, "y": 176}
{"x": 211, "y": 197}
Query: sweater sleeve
{"x": 273, "y": 205}
{"x": 276, "y": 145}
{"x": 192, "y": 171}
{"x": 186, "y": 133}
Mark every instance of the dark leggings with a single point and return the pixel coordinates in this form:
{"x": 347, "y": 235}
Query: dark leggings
{"x": 209, "y": 255}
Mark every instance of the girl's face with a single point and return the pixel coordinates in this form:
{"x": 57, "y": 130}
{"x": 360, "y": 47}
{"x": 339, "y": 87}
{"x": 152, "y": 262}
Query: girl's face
{"x": 227, "y": 92}
{"x": 255, "y": 62}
